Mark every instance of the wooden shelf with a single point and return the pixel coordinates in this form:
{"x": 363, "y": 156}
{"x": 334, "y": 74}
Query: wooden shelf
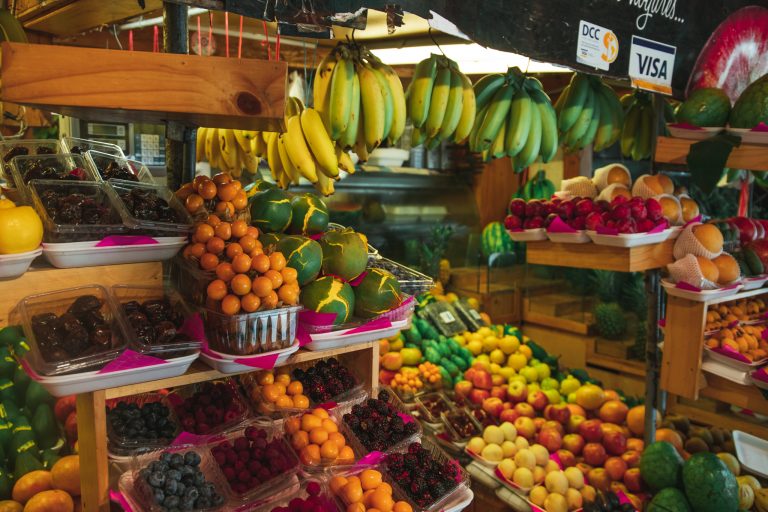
{"x": 670, "y": 150}
{"x": 116, "y": 85}
{"x": 600, "y": 257}
{"x": 747, "y": 397}
{"x": 721, "y": 419}
{"x": 546, "y": 311}
{"x": 71, "y": 17}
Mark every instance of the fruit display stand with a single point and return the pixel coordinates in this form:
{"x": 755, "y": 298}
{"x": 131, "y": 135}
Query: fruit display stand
{"x": 752, "y": 157}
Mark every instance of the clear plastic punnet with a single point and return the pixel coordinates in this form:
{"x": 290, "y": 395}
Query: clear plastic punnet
{"x": 123, "y": 444}
{"x": 49, "y": 167}
{"x": 82, "y": 146}
{"x": 251, "y": 333}
{"x": 110, "y": 165}
{"x": 174, "y": 220}
{"x": 195, "y": 406}
{"x": 411, "y": 281}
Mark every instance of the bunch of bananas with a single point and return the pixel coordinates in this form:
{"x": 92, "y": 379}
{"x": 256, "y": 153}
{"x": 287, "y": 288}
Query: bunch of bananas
{"x": 588, "y": 112}
{"x": 229, "y": 150}
{"x": 359, "y": 99}
{"x": 515, "y": 118}
{"x": 538, "y": 187}
{"x": 441, "y": 102}
{"x": 637, "y": 132}
{"x": 761, "y": 500}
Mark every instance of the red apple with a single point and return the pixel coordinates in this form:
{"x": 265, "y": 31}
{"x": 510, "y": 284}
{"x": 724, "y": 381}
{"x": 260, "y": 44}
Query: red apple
{"x": 538, "y": 400}
{"x": 615, "y": 467}
{"x": 636, "y": 444}
{"x": 574, "y": 421}
{"x": 482, "y": 380}
{"x": 498, "y": 380}
{"x": 555, "y": 425}
{"x": 615, "y": 442}
{"x": 590, "y": 430}
{"x": 470, "y": 374}
{"x": 517, "y": 392}
{"x": 599, "y": 479}
{"x": 594, "y": 454}
{"x": 509, "y": 415}
{"x": 632, "y": 458}
{"x": 613, "y": 411}
{"x": 493, "y": 406}
{"x": 632, "y": 480}
{"x": 550, "y": 439}
{"x": 573, "y": 443}
{"x": 507, "y": 405}
{"x": 538, "y": 421}
{"x": 462, "y": 388}
{"x": 525, "y": 409}
{"x": 577, "y": 409}
{"x": 567, "y": 458}
{"x": 558, "y": 412}
{"x": 525, "y": 427}
{"x": 476, "y": 396}
{"x": 610, "y": 427}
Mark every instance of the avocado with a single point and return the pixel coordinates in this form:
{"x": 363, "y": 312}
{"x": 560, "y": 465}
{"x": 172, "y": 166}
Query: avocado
{"x": 23, "y": 438}
{"x": 6, "y": 433}
{"x": 695, "y": 445}
{"x": 753, "y": 261}
{"x": 717, "y": 435}
{"x": 44, "y": 426}
{"x": 20, "y": 347}
{"x": 10, "y": 335}
{"x": 6, "y": 485}
{"x": 7, "y": 391}
{"x": 26, "y": 462}
{"x": 36, "y": 395}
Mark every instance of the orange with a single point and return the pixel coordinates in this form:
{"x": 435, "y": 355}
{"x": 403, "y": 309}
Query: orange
{"x": 289, "y": 275}
{"x": 224, "y": 230}
{"x": 196, "y": 249}
{"x": 274, "y": 276}
{"x": 254, "y": 232}
{"x": 320, "y": 413}
{"x": 225, "y": 209}
{"x": 337, "y": 438}
{"x": 367, "y": 497}
{"x": 346, "y": 456}
{"x": 222, "y": 178}
{"x": 233, "y": 250}
{"x": 260, "y": 263}
{"x": 277, "y": 261}
{"x": 217, "y": 289}
{"x": 65, "y": 474}
{"x": 207, "y": 190}
{"x": 240, "y": 284}
{"x": 225, "y": 272}
{"x": 215, "y": 245}
{"x": 230, "y": 305}
{"x": 203, "y": 232}
{"x": 250, "y": 302}
{"x": 213, "y": 220}
{"x": 237, "y": 184}
{"x": 309, "y": 421}
{"x": 300, "y": 402}
{"x": 270, "y": 301}
{"x": 262, "y": 287}
{"x": 370, "y": 479}
{"x": 295, "y": 388}
{"x": 184, "y": 191}
{"x": 241, "y": 263}
{"x": 264, "y": 378}
{"x": 318, "y": 435}
{"x": 385, "y": 487}
{"x": 352, "y": 492}
{"x": 240, "y": 201}
{"x": 50, "y": 501}
{"x": 329, "y": 451}
{"x": 199, "y": 180}
{"x": 287, "y": 295}
{"x": 30, "y": 484}
{"x": 248, "y": 243}
{"x": 356, "y": 507}
{"x": 239, "y": 228}
{"x": 284, "y": 379}
{"x": 271, "y": 392}
{"x": 292, "y": 424}
{"x": 310, "y": 455}
{"x": 299, "y": 440}
{"x": 336, "y": 483}
{"x": 284, "y": 402}
{"x": 402, "y": 506}
{"x": 329, "y": 425}
{"x": 227, "y": 192}
{"x": 209, "y": 261}
{"x": 382, "y": 501}
{"x": 355, "y": 479}
{"x": 193, "y": 203}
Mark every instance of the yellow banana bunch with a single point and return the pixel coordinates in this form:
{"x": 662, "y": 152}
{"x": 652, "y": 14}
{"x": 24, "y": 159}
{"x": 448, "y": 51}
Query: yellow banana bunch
{"x": 230, "y": 150}
{"x": 637, "y": 130}
{"x": 441, "y": 102}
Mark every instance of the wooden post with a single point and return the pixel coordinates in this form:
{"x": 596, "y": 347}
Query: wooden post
{"x": 683, "y": 338}
{"x": 92, "y": 439}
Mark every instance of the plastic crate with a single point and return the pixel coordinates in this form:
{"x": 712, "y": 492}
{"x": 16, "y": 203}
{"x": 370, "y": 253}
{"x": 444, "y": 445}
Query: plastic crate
{"x": 180, "y": 395}
{"x": 100, "y": 160}
{"x": 124, "y": 446}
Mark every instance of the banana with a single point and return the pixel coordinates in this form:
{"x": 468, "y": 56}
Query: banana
{"x": 474, "y": 144}
{"x": 629, "y": 129}
{"x": 589, "y": 135}
{"x": 298, "y": 151}
{"x": 605, "y": 128}
{"x": 200, "y": 144}
{"x": 530, "y": 151}
{"x": 418, "y": 137}
{"x": 642, "y": 147}
{"x": 11, "y": 29}
{"x": 454, "y": 108}
{"x": 561, "y": 99}
{"x": 399, "y": 108}
{"x": 210, "y": 136}
{"x": 518, "y": 122}
{"x": 389, "y": 104}
{"x": 293, "y": 107}
{"x": 259, "y": 144}
{"x": 228, "y": 146}
{"x": 251, "y": 162}
{"x": 242, "y": 140}
{"x": 420, "y": 90}
{"x": 496, "y": 115}
{"x": 761, "y": 500}
{"x": 319, "y": 142}
{"x": 324, "y": 185}
{"x": 349, "y": 136}
{"x": 617, "y": 112}
{"x": 273, "y": 157}
{"x": 497, "y": 147}
{"x": 486, "y": 88}
{"x": 345, "y": 161}
{"x": 372, "y": 101}
{"x": 321, "y": 87}
{"x": 627, "y": 100}
{"x": 578, "y": 94}
{"x": 439, "y": 101}
{"x": 360, "y": 149}
{"x": 548, "y": 117}
{"x": 290, "y": 169}
{"x": 580, "y": 127}
{"x": 468, "y": 111}
{"x": 341, "y": 97}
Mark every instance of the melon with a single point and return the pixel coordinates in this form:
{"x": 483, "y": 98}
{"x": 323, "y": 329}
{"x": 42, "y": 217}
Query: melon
{"x": 660, "y": 466}
{"x": 709, "y": 236}
{"x": 345, "y": 254}
{"x": 271, "y": 210}
{"x": 270, "y": 239}
{"x": 329, "y": 295}
{"x": 708, "y": 106}
{"x": 669, "y": 500}
{"x": 751, "y": 108}
{"x": 709, "y": 485}
{"x": 495, "y": 239}
{"x": 309, "y": 215}
{"x": 377, "y": 293}
{"x": 302, "y": 254}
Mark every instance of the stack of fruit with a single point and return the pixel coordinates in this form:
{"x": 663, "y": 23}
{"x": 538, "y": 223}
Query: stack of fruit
{"x": 637, "y": 131}
{"x": 229, "y": 150}
{"x": 366, "y": 491}
{"x": 325, "y": 380}
{"x": 734, "y": 313}
{"x": 316, "y": 439}
{"x": 700, "y": 260}
{"x": 57, "y": 490}
{"x": 746, "y": 340}
{"x": 220, "y": 195}
{"x": 271, "y": 391}
{"x": 423, "y": 475}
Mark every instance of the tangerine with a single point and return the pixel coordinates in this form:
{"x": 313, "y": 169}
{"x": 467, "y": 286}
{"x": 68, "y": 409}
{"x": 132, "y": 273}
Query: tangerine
{"x": 300, "y": 402}
{"x": 382, "y": 500}
{"x": 287, "y": 295}
{"x": 215, "y": 245}
{"x": 270, "y": 301}
{"x": 385, "y": 487}
{"x": 299, "y": 440}
{"x": 196, "y": 249}
{"x": 239, "y": 228}
{"x": 225, "y": 272}
{"x": 203, "y": 233}
{"x": 329, "y": 425}
{"x": 356, "y": 507}
{"x": 289, "y": 275}
{"x": 217, "y": 289}
{"x": 352, "y": 492}
{"x": 320, "y": 413}
{"x": 213, "y": 220}
{"x": 274, "y": 276}
{"x": 346, "y": 456}
{"x": 338, "y": 438}
{"x": 224, "y": 230}
{"x": 248, "y": 243}
{"x": 225, "y": 209}
{"x": 265, "y": 377}
{"x": 295, "y": 388}
{"x": 184, "y": 191}
{"x": 277, "y": 261}
{"x": 253, "y": 231}
{"x": 318, "y": 435}
{"x": 222, "y": 178}
{"x": 240, "y": 284}
{"x": 292, "y": 425}
{"x": 226, "y": 192}
{"x": 402, "y": 506}
{"x": 329, "y": 451}
{"x": 241, "y": 263}
{"x": 310, "y": 455}
{"x": 283, "y": 378}
{"x": 65, "y": 474}
{"x": 250, "y": 302}
{"x": 262, "y": 287}
{"x": 230, "y": 305}
{"x": 233, "y": 249}
{"x": 240, "y": 201}
{"x": 199, "y": 180}
{"x": 309, "y": 422}
{"x": 284, "y": 402}
{"x": 193, "y": 203}
{"x": 260, "y": 263}
{"x": 207, "y": 190}
{"x": 271, "y": 392}
{"x": 209, "y": 261}
{"x": 370, "y": 479}
{"x": 336, "y": 483}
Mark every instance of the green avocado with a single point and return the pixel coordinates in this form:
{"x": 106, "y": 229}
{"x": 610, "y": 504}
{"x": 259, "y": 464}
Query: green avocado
{"x": 49, "y": 458}
{"x": 26, "y": 462}
{"x": 7, "y": 362}
{"x": 21, "y": 380}
{"x": 36, "y": 395}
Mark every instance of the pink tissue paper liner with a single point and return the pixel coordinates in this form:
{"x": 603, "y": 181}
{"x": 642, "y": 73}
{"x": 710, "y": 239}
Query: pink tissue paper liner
{"x": 761, "y": 375}
{"x": 694, "y": 220}
{"x": 686, "y": 126}
{"x": 119, "y": 240}
{"x": 558, "y": 226}
{"x": 130, "y": 360}
{"x": 729, "y": 352}
{"x": 689, "y": 287}
{"x": 761, "y": 127}
{"x": 118, "y": 498}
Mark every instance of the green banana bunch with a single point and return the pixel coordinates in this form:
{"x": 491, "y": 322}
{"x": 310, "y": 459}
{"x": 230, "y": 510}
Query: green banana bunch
{"x": 538, "y": 187}
{"x": 441, "y": 102}
{"x": 637, "y": 130}
{"x": 515, "y": 118}
{"x": 589, "y": 113}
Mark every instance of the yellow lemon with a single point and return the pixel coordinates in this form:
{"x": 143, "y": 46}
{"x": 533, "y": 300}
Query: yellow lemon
{"x": 484, "y": 331}
{"x": 497, "y": 356}
{"x": 517, "y": 361}
{"x": 509, "y": 344}
{"x": 495, "y": 368}
{"x": 6, "y": 203}
{"x": 526, "y": 351}
{"x": 507, "y": 372}
{"x": 490, "y": 343}
{"x": 475, "y": 347}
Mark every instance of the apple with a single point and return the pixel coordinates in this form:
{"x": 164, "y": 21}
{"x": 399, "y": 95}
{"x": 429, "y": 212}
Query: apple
{"x": 517, "y": 207}
{"x": 590, "y": 430}
{"x": 653, "y": 208}
{"x": 530, "y": 373}
{"x": 498, "y": 380}
{"x": 482, "y": 380}
{"x": 613, "y": 411}
{"x": 615, "y": 442}
{"x": 525, "y": 409}
{"x": 632, "y": 480}
{"x": 577, "y": 409}
{"x": 533, "y": 208}
{"x": 553, "y": 396}
{"x": 553, "y": 425}
{"x": 539, "y": 422}
{"x": 610, "y": 427}
{"x": 593, "y": 221}
{"x": 574, "y": 421}
{"x": 517, "y": 391}
{"x": 538, "y": 400}
{"x": 499, "y": 392}
{"x": 594, "y": 454}
{"x": 509, "y": 415}
{"x": 615, "y": 467}
{"x": 470, "y": 373}
{"x": 632, "y": 458}
{"x": 462, "y": 388}
{"x": 583, "y": 467}
{"x": 559, "y": 413}
{"x": 477, "y": 396}
{"x": 638, "y": 209}
{"x": 525, "y": 427}
{"x": 567, "y": 458}
{"x": 550, "y": 439}
{"x": 493, "y": 406}
{"x": 599, "y": 479}
{"x": 533, "y": 223}
{"x": 574, "y": 443}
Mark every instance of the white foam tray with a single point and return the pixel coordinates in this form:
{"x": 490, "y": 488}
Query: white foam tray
{"x": 752, "y": 452}
{"x": 528, "y": 235}
{"x": 730, "y": 373}
{"x": 336, "y": 339}
{"x": 752, "y": 283}
{"x": 702, "y": 133}
{"x": 86, "y": 254}
{"x": 226, "y": 365}
{"x": 92, "y": 381}
{"x": 734, "y": 363}
{"x": 579, "y": 237}
{"x": 748, "y": 136}
{"x": 630, "y": 240}
{"x": 702, "y": 296}
{"x": 14, "y": 265}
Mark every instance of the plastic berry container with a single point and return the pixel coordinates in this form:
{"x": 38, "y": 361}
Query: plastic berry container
{"x": 411, "y": 281}
{"x": 353, "y": 393}
{"x": 191, "y": 281}
{"x": 27, "y": 147}
{"x": 280, "y": 501}
{"x": 248, "y": 334}
{"x": 101, "y": 160}
{"x": 238, "y": 413}
{"x": 308, "y": 469}
{"x": 71, "y": 168}
{"x": 59, "y": 303}
{"x": 121, "y": 445}
{"x": 260, "y": 406}
{"x": 80, "y": 146}
{"x": 425, "y": 412}
{"x": 181, "y": 223}
{"x": 63, "y": 232}
{"x": 461, "y": 414}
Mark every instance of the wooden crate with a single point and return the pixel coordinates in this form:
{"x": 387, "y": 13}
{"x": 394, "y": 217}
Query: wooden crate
{"x": 502, "y": 303}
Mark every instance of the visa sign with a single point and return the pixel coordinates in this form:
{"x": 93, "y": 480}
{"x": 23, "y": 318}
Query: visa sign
{"x": 651, "y": 65}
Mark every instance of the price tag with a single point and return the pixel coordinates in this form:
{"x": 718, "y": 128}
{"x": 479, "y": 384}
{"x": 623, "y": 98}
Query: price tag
{"x": 474, "y": 314}
{"x": 447, "y": 317}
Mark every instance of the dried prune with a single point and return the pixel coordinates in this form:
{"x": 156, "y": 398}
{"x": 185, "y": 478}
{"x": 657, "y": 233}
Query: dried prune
{"x": 85, "y": 304}
{"x": 155, "y": 321}
{"x": 147, "y": 205}
{"x": 14, "y": 152}
{"x": 45, "y": 150}
{"x": 101, "y": 335}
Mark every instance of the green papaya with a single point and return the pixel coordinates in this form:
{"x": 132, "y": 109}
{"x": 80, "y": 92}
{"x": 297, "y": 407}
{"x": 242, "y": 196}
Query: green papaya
{"x": 7, "y": 363}
{"x": 26, "y": 462}
{"x": 443, "y": 348}
{"x": 44, "y": 426}
{"x": 537, "y": 351}
{"x": 49, "y": 458}
{"x": 6, "y": 485}
{"x": 21, "y": 380}
{"x": 466, "y": 354}
{"x": 36, "y": 395}
{"x": 10, "y": 335}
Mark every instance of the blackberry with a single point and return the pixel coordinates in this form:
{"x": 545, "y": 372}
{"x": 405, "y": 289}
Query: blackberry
{"x": 384, "y": 395}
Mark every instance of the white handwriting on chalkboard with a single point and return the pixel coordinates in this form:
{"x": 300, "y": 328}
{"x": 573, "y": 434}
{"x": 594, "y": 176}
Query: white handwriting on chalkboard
{"x": 664, "y": 8}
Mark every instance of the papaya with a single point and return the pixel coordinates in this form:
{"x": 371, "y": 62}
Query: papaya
{"x": 30, "y": 484}
{"x": 411, "y": 356}
{"x": 412, "y": 335}
{"x": 432, "y": 355}
{"x": 377, "y": 293}
{"x": 44, "y": 426}
{"x": 7, "y": 391}
{"x": 50, "y": 501}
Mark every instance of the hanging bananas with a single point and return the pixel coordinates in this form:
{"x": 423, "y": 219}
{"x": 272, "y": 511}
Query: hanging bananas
{"x": 230, "y": 150}
{"x": 637, "y": 130}
{"x": 589, "y": 113}
{"x": 515, "y": 118}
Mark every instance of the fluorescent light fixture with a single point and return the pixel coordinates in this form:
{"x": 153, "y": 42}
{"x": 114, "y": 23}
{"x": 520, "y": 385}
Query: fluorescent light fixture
{"x": 471, "y": 58}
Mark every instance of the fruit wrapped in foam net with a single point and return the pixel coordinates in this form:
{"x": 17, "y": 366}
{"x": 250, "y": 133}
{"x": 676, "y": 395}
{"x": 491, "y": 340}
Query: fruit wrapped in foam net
{"x": 643, "y": 190}
{"x": 607, "y": 193}
{"x": 677, "y": 218}
{"x": 612, "y": 174}
{"x": 688, "y": 244}
{"x": 687, "y": 270}
{"x": 580, "y": 186}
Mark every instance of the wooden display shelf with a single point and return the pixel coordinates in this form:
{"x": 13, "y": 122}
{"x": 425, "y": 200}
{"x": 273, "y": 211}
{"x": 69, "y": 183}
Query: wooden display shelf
{"x": 546, "y": 311}
{"x": 116, "y": 85}
{"x": 747, "y": 397}
{"x": 71, "y": 17}
{"x": 670, "y": 150}
{"x": 600, "y": 257}
{"x": 720, "y": 418}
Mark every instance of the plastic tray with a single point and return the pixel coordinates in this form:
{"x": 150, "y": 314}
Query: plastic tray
{"x": 752, "y": 452}
{"x": 528, "y": 235}
{"x": 738, "y": 376}
{"x": 31, "y": 145}
{"x": 630, "y": 240}
{"x": 61, "y": 233}
{"x": 411, "y": 281}
{"x": 182, "y": 224}
{"x": 758, "y": 382}
{"x": 14, "y": 265}
{"x": 733, "y": 362}
{"x": 703, "y": 132}
{"x": 179, "y": 395}
{"x": 127, "y": 293}
{"x": 89, "y": 254}
{"x": 579, "y": 237}
{"x": 58, "y": 302}
{"x": 749, "y": 136}
{"x": 352, "y": 394}
{"x": 480, "y": 459}
{"x": 752, "y": 283}
{"x": 457, "y": 438}
{"x": 99, "y": 160}
{"x": 323, "y": 467}
{"x": 82, "y": 146}
{"x": 93, "y": 381}
{"x": 701, "y": 296}
{"x": 251, "y": 333}
{"x": 424, "y": 412}
{"x": 232, "y": 366}
{"x": 252, "y": 391}
{"x": 336, "y": 339}
{"x": 64, "y": 163}
{"x": 122, "y": 446}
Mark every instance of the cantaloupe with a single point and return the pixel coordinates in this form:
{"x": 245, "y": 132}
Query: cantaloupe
{"x": 708, "y": 269}
{"x": 709, "y": 236}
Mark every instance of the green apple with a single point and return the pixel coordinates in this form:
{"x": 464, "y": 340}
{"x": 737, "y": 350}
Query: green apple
{"x": 533, "y": 362}
{"x": 530, "y": 374}
{"x": 533, "y": 386}
{"x": 549, "y": 383}
{"x": 569, "y": 385}
{"x": 572, "y": 398}
{"x": 518, "y": 377}
{"x": 553, "y": 395}
{"x": 543, "y": 370}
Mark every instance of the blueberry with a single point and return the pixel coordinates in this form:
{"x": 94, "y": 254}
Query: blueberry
{"x": 159, "y": 495}
{"x": 165, "y": 457}
{"x": 199, "y": 479}
{"x": 180, "y": 489}
{"x": 171, "y": 501}
{"x": 203, "y": 503}
{"x": 171, "y": 486}
{"x": 187, "y": 504}
{"x": 144, "y": 473}
{"x": 207, "y": 490}
{"x": 217, "y": 499}
{"x": 192, "y": 458}
{"x": 177, "y": 460}
{"x": 191, "y": 493}
{"x": 174, "y": 474}
{"x": 157, "y": 479}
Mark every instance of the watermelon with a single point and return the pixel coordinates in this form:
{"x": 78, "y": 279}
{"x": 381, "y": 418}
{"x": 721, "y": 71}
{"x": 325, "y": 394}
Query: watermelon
{"x": 268, "y": 239}
{"x": 310, "y": 215}
{"x": 708, "y": 106}
{"x": 302, "y": 254}
{"x": 329, "y": 295}
{"x": 660, "y": 466}
{"x": 345, "y": 254}
{"x": 271, "y": 210}
{"x": 495, "y": 239}
{"x": 669, "y": 500}
{"x": 752, "y": 106}
{"x": 709, "y": 485}
{"x": 377, "y": 293}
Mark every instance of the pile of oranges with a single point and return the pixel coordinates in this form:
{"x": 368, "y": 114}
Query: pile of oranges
{"x": 220, "y": 195}
{"x": 270, "y": 391}
{"x": 315, "y": 437}
{"x": 366, "y": 492}
{"x": 407, "y": 380}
